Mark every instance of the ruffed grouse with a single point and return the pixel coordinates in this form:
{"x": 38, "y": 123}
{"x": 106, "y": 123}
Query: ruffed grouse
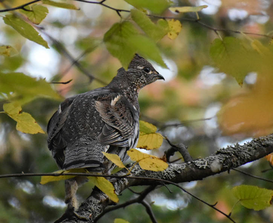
{"x": 102, "y": 120}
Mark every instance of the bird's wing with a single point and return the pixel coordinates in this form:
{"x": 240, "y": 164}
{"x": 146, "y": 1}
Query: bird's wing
{"x": 121, "y": 121}
{"x": 56, "y": 142}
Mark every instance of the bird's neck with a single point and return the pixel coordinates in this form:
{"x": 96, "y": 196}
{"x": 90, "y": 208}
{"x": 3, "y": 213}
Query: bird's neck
{"x": 129, "y": 91}
{"x": 125, "y": 87}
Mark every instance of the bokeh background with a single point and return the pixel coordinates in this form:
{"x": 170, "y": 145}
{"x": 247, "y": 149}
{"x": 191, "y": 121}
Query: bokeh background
{"x": 184, "y": 107}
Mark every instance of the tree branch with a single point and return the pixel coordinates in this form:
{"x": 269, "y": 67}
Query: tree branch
{"x": 224, "y": 160}
{"x": 149, "y": 211}
{"x": 18, "y": 7}
{"x": 198, "y": 21}
{"x": 139, "y": 199}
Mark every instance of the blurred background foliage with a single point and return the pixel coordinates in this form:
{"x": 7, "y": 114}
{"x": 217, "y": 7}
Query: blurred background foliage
{"x": 184, "y": 107}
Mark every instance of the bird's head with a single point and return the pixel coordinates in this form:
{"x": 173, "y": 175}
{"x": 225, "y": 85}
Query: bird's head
{"x": 142, "y": 73}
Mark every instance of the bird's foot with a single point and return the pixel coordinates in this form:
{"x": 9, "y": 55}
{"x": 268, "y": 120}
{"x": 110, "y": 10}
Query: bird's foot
{"x": 81, "y": 217}
{"x": 70, "y": 213}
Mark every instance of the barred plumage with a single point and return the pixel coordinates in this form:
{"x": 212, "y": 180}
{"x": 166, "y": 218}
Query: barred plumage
{"x": 101, "y": 120}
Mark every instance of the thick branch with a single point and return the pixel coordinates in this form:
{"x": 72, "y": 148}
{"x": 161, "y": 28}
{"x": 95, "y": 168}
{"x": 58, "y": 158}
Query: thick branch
{"x": 224, "y": 160}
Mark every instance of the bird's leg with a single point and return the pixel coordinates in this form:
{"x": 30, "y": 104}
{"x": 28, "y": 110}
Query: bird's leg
{"x": 71, "y": 187}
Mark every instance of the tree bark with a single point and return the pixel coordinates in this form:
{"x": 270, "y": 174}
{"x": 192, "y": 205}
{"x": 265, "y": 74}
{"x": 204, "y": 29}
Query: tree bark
{"x": 223, "y": 160}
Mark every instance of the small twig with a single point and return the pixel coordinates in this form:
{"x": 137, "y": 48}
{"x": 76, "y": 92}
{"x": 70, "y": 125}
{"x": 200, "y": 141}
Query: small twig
{"x": 134, "y": 192}
{"x": 61, "y": 82}
{"x": 181, "y": 148}
{"x": 233, "y": 207}
{"x": 140, "y": 198}
{"x": 64, "y": 51}
{"x": 165, "y": 185}
{"x": 118, "y": 11}
{"x": 202, "y": 201}
{"x": 90, "y": 49}
{"x": 28, "y": 10}
{"x": 230, "y": 30}
{"x": 143, "y": 195}
{"x": 215, "y": 203}
{"x": 263, "y": 171}
{"x": 162, "y": 125}
{"x": 19, "y": 7}
{"x": 253, "y": 176}
{"x": 174, "y": 161}
{"x": 149, "y": 211}
{"x": 182, "y": 123}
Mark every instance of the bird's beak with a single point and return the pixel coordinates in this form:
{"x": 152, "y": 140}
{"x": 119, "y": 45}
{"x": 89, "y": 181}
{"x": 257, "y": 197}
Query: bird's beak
{"x": 159, "y": 77}
{"x": 154, "y": 76}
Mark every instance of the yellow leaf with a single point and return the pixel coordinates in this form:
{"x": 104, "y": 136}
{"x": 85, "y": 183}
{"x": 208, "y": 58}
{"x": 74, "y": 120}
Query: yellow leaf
{"x": 148, "y": 137}
{"x": 7, "y": 51}
{"x": 187, "y": 9}
{"x": 146, "y": 127}
{"x": 119, "y": 220}
{"x": 251, "y": 112}
{"x": 35, "y": 13}
{"x": 115, "y": 159}
{"x": 175, "y": 28}
{"x": 147, "y": 162}
{"x": 150, "y": 141}
{"x": 47, "y": 179}
{"x": 25, "y": 122}
{"x": 105, "y": 186}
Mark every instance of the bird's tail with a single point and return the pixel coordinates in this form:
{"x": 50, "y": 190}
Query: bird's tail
{"x": 84, "y": 154}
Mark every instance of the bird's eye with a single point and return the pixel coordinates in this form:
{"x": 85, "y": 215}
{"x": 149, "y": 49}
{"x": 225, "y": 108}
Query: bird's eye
{"x": 147, "y": 69}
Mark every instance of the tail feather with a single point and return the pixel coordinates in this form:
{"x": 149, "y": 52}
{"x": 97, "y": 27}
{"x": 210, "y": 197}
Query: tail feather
{"x": 85, "y": 155}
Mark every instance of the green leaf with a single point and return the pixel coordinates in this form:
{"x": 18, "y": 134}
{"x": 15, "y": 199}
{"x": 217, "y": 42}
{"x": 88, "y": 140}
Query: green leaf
{"x": 116, "y": 42}
{"x": 253, "y": 197}
{"x": 123, "y": 41}
{"x": 148, "y": 137}
{"x": 22, "y": 88}
{"x": 147, "y": 48}
{"x": 25, "y": 29}
{"x": 188, "y": 9}
{"x": 35, "y": 13}
{"x": 105, "y": 186}
{"x": 48, "y": 179}
{"x": 25, "y": 122}
{"x": 11, "y": 63}
{"x": 66, "y": 4}
{"x": 7, "y": 51}
{"x": 119, "y": 220}
{"x": 155, "y": 6}
{"x": 234, "y": 57}
{"x": 155, "y": 32}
